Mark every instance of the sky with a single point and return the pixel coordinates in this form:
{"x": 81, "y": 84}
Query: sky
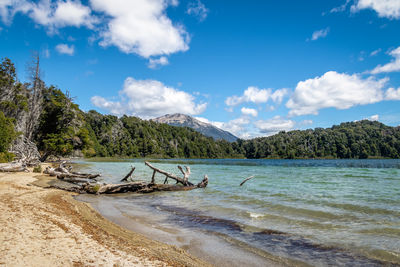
{"x": 251, "y": 67}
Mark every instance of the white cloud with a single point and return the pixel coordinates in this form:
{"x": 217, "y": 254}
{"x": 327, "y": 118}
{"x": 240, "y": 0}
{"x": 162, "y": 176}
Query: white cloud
{"x": 340, "y": 8}
{"x": 278, "y": 95}
{"x": 392, "y": 66}
{"x": 385, "y": 8}
{"x": 150, "y": 98}
{"x": 53, "y": 15}
{"x": 249, "y": 111}
{"x": 334, "y": 90}
{"x": 392, "y": 94}
{"x": 306, "y": 122}
{"x": 235, "y": 126}
{"x": 375, "y": 52}
{"x": 65, "y": 49}
{"x": 141, "y": 27}
{"x": 373, "y": 118}
{"x": 8, "y": 8}
{"x": 274, "y": 125}
{"x": 154, "y": 63}
{"x": 320, "y": 34}
{"x": 197, "y": 9}
{"x": 256, "y": 95}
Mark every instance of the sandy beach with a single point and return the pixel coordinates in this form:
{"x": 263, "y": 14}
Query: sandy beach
{"x": 46, "y": 227}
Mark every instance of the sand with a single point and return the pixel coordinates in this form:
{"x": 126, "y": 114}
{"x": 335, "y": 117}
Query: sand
{"x": 47, "y": 227}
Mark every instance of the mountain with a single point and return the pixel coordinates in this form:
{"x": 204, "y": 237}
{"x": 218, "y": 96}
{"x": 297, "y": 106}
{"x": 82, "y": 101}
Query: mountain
{"x": 207, "y": 129}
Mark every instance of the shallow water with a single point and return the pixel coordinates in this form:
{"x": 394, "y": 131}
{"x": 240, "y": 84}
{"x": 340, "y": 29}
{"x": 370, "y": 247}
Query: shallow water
{"x": 319, "y": 212}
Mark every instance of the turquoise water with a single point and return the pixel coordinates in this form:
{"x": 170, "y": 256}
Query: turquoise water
{"x": 320, "y": 212}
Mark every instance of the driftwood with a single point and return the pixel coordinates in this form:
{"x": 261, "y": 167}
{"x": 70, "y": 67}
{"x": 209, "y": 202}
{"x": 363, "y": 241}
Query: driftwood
{"x": 85, "y": 183}
{"x": 184, "y": 181}
{"x": 245, "y": 180}
{"x": 64, "y": 173}
{"x": 137, "y": 187}
{"x": 13, "y": 167}
{"x": 128, "y": 175}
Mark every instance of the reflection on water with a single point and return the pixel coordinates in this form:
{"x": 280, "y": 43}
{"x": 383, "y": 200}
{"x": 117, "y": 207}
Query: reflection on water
{"x": 322, "y": 212}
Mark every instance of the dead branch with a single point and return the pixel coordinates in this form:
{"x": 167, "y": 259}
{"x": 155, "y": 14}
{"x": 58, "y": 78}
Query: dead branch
{"x": 245, "y": 180}
{"x": 128, "y": 175}
{"x": 169, "y": 175}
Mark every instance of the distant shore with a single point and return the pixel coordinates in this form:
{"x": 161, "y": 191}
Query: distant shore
{"x": 47, "y": 227}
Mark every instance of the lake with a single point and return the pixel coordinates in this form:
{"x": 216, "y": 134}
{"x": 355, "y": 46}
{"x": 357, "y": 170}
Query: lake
{"x": 311, "y": 212}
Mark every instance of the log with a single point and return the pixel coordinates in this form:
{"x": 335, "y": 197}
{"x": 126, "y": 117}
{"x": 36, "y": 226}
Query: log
{"x": 245, "y": 180}
{"x": 128, "y": 175}
{"x": 169, "y": 175}
{"x": 13, "y": 167}
{"x": 136, "y": 187}
{"x": 62, "y": 173}
{"x": 114, "y": 188}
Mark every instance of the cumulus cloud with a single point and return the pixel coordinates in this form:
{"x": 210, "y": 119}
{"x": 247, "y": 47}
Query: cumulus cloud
{"x": 65, "y": 49}
{"x": 235, "y": 126}
{"x": 149, "y": 98}
{"x": 249, "y": 111}
{"x": 392, "y": 94}
{"x": 255, "y": 95}
{"x": 156, "y": 62}
{"x": 52, "y": 15}
{"x": 334, "y": 90}
{"x": 320, "y": 34}
{"x": 373, "y": 117}
{"x": 274, "y": 125}
{"x": 197, "y": 9}
{"x": 141, "y": 27}
{"x": 385, "y": 8}
{"x": 392, "y": 66}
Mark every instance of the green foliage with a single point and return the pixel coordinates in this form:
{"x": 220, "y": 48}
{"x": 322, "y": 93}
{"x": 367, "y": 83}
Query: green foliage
{"x": 7, "y": 135}
{"x": 61, "y": 126}
{"x": 13, "y": 95}
{"x": 64, "y": 129}
{"x": 38, "y": 169}
{"x": 133, "y": 137}
{"x": 362, "y": 139}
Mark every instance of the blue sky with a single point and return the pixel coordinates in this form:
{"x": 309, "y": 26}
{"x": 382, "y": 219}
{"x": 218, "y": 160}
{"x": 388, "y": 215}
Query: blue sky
{"x": 251, "y": 67}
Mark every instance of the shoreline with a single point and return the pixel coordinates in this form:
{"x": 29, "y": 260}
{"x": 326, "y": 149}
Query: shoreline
{"x": 44, "y": 226}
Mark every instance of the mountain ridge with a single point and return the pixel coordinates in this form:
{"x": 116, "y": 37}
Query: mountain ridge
{"x": 207, "y": 129}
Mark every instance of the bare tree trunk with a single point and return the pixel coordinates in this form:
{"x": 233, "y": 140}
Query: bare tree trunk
{"x": 35, "y": 98}
{"x": 13, "y": 167}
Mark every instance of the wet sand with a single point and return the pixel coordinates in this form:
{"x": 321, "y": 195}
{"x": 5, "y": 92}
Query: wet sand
{"x": 48, "y": 227}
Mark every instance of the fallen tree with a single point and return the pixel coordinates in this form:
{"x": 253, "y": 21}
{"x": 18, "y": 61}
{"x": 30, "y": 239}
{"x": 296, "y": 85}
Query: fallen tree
{"x": 13, "y": 167}
{"x": 64, "y": 172}
{"x": 88, "y": 184}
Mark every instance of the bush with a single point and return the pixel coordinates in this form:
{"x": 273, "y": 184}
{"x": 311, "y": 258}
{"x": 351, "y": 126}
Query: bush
{"x": 38, "y": 169}
{"x": 6, "y": 157}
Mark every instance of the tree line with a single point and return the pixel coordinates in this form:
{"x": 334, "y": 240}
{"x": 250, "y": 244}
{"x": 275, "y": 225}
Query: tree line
{"x": 48, "y": 117}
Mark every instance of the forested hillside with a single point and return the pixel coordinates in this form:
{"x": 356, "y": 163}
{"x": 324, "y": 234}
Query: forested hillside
{"x": 45, "y": 116}
{"x": 49, "y": 118}
{"x": 360, "y": 139}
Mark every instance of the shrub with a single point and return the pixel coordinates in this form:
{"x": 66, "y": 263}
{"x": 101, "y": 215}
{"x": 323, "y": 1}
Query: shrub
{"x": 38, "y": 169}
